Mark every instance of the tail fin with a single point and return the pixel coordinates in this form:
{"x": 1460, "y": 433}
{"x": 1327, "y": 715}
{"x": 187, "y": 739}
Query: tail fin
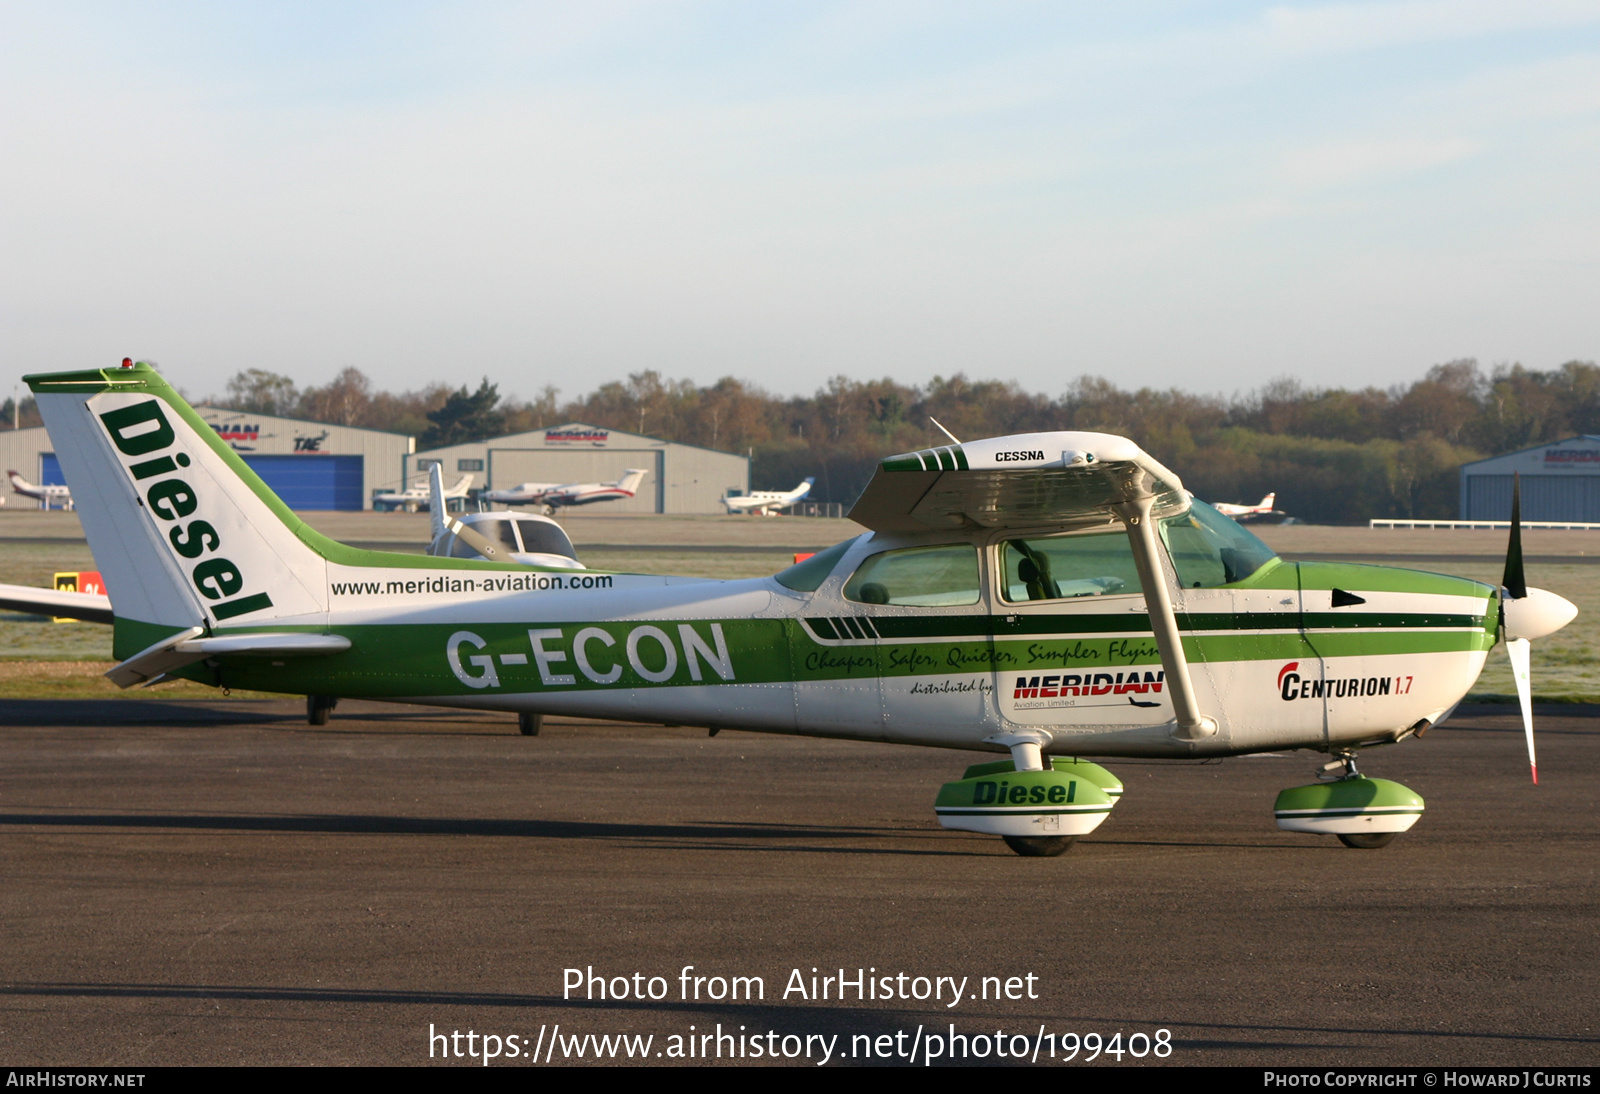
{"x": 436, "y": 519}
{"x": 631, "y": 478}
{"x": 1269, "y": 501}
{"x": 805, "y": 488}
{"x": 18, "y": 483}
{"x": 185, "y": 534}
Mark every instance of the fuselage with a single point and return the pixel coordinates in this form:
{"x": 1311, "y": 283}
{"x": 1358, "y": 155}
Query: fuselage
{"x": 1273, "y": 659}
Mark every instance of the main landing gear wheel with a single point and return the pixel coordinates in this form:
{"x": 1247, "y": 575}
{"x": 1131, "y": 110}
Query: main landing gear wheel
{"x": 1370, "y": 841}
{"x": 530, "y": 724}
{"x": 318, "y": 707}
{"x": 1040, "y": 846}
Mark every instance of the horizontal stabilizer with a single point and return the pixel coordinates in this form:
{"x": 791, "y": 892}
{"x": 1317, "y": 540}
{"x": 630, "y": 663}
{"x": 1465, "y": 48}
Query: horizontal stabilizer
{"x": 187, "y": 647}
{"x": 61, "y": 603}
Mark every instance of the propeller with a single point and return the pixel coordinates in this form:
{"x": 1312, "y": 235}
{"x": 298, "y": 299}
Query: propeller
{"x": 1526, "y": 614}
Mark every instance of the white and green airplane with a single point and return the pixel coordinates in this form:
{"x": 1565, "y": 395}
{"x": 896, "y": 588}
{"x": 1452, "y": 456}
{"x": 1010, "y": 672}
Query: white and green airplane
{"x": 1046, "y": 597}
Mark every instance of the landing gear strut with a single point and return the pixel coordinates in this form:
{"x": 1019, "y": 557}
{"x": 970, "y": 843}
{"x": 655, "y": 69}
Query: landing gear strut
{"x": 318, "y": 707}
{"x": 530, "y": 724}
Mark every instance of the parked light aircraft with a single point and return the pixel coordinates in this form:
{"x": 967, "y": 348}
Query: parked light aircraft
{"x": 415, "y": 497}
{"x": 51, "y": 496}
{"x": 554, "y": 495}
{"x": 1263, "y": 508}
{"x": 766, "y": 503}
{"x": 497, "y": 537}
{"x": 1049, "y": 596}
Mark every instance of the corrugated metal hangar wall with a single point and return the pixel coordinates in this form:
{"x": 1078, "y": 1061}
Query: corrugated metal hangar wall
{"x": 307, "y": 464}
{"x": 680, "y": 478}
{"x": 1560, "y": 482}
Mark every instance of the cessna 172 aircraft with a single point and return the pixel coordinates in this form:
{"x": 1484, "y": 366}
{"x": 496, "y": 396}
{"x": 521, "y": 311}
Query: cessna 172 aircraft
{"x": 554, "y": 495}
{"x": 50, "y": 495}
{"x": 766, "y": 503}
{"x": 1047, "y": 595}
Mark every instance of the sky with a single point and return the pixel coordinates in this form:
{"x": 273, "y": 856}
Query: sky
{"x": 1199, "y": 195}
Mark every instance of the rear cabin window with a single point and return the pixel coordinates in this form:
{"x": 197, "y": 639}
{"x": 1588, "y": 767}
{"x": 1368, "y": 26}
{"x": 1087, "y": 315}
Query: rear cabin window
{"x": 1063, "y": 567}
{"x": 922, "y": 576}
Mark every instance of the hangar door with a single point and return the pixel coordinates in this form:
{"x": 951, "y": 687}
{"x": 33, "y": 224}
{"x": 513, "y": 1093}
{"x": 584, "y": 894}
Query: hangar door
{"x": 510, "y": 466}
{"x": 312, "y": 480}
{"x": 1544, "y": 497}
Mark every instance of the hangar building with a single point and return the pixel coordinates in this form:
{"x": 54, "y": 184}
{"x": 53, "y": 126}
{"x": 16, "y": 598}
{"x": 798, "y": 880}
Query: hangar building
{"x": 308, "y": 464}
{"x": 682, "y": 477}
{"x": 1560, "y": 482}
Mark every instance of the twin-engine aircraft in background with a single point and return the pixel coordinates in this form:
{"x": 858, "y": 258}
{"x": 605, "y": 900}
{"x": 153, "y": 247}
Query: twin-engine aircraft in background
{"x": 1043, "y": 597}
{"x": 51, "y": 496}
{"x": 553, "y": 495}
{"x": 766, "y": 503}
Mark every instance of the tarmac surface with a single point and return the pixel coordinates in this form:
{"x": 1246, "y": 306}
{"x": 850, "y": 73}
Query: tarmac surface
{"x": 218, "y": 882}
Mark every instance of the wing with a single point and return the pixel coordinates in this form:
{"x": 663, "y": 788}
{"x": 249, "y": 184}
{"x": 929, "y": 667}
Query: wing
{"x": 89, "y": 607}
{"x": 1021, "y": 481}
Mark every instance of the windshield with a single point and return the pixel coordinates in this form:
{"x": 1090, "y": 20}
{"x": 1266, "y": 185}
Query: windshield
{"x": 539, "y": 537}
{"x": 1209, "y": 549}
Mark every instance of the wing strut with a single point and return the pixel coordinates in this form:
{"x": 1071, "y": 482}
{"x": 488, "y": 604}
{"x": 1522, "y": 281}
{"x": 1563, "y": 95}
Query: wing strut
{"x": 1192, "y": 725}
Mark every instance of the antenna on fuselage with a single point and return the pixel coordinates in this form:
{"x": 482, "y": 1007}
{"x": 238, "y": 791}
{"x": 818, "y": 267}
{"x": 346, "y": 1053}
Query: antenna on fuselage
{"x": 943, "y": 430}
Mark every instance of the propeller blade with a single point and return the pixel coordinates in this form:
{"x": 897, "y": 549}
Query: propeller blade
{"x": 1518, "y": 650}
{"x": 1515, "y": 581}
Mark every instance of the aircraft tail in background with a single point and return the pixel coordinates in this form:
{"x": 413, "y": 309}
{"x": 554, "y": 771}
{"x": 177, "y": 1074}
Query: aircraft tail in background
{"x": 631, "y": 478}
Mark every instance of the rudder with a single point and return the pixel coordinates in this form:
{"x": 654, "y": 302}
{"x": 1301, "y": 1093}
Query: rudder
{"x": 185, "y": 534}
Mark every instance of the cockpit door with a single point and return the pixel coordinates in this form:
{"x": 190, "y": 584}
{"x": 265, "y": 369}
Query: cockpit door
{"x": 1072, "y": 638}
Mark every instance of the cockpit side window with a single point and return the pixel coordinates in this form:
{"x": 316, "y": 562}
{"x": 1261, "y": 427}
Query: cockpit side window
{"x": 1063, "y": 567}
{"x": 923, "y": 576}
{"x": 1209, "y": 549}
{"x": 545, "y": 539}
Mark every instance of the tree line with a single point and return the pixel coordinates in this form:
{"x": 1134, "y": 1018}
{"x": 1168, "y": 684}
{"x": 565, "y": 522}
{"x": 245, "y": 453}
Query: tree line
{"x": 1332, "y": 455}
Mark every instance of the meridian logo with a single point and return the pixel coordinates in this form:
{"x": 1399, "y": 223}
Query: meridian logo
{"x": 596, "y": 437}
{"x": 1099, "y": 683}
{"x": 142, "y": 430}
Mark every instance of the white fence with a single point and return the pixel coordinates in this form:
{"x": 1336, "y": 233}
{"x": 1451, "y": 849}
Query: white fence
{"x": 1483, "y": 525}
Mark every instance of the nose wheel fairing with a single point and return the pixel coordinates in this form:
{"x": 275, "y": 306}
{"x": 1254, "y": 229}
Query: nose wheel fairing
{"x": 1354, "y": 806}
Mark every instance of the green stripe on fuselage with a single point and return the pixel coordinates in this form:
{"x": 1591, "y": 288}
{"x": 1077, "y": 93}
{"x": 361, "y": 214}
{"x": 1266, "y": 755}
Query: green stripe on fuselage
{"x": 401, "y": 659}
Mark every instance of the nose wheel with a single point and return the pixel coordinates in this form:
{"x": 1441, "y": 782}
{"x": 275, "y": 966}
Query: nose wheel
{"x": 1040, "y": 846}
{"x": 1369, "y": 842}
